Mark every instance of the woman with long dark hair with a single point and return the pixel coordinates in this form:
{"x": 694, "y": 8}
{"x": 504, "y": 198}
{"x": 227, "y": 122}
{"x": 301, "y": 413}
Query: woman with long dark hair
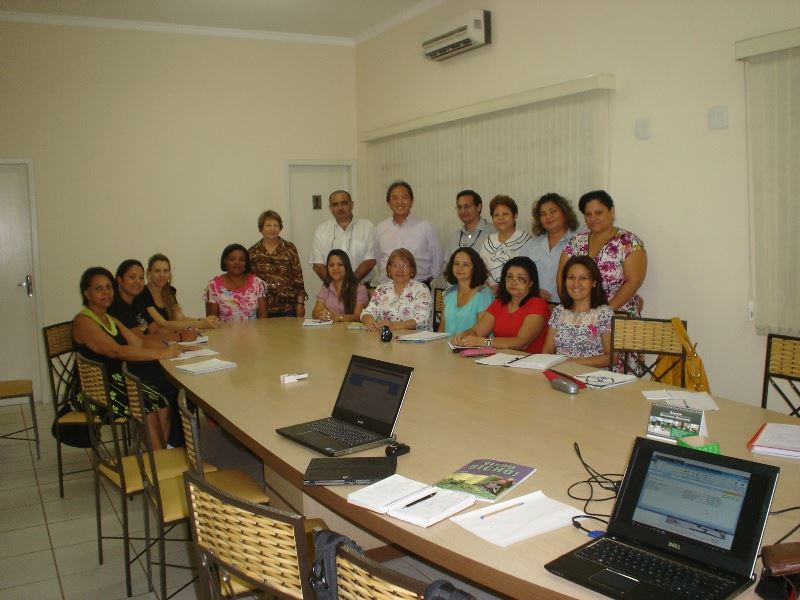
{"x": 341, "y": 298}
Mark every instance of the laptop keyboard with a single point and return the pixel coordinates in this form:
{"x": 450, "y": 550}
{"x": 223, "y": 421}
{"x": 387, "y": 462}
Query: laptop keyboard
{"x": 674, "y": 577}
{"x": 342, "y": 432}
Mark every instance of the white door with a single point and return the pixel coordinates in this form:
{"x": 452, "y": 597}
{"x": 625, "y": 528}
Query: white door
{"x": 19, "y": 349}
{"x": 304, "y": 182}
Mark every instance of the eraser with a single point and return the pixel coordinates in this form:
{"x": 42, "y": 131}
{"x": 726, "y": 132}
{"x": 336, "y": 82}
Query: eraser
{"x": 292, "y": 377}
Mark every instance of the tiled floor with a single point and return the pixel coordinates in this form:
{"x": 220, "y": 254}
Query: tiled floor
{"x": 48, "y": 545}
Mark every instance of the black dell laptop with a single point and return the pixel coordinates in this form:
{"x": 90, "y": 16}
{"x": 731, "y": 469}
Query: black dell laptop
{"x": 365, "y": 413}
{"x": 686, "y": 524}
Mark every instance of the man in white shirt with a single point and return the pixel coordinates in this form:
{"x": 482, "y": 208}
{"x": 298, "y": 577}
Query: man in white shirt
{"x": 345, "y": 232}
{"x": 476, "y": 229}
{"x": 404, "y": 230}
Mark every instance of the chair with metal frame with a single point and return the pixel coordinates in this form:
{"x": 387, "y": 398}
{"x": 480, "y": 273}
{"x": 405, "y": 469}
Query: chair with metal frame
{"x": 636, "y": 340}
{"x": 783, "y": 362}
{"x": 234, "y": 481}
{"x": 263, "y": 547}
{"x": 60, "y": 355}
{"x": 21, "y": 388}
{"x": 163, "y": 496}
{"x": 342, "y": 570}
{"x": 108, "y": 458}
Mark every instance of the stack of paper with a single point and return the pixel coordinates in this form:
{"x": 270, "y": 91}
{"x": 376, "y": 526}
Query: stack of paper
{"x": 776, "y": 439}
{"x": 539, "y": 362}
{"x": 517, "y": 519}
{"x": 206, "y": 366}
{"x": 316, "y": 322}
{"x": 410, "y": 500}
{"x": 420, "y": 337}
{"x": 600, "y": 380}
{"x": 682, "y": 398}
{"x": 195, "y": 353}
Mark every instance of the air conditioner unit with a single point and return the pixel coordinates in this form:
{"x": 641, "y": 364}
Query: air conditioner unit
{"x": 466, "y": 32}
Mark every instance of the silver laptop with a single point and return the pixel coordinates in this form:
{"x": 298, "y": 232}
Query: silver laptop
{"x": 686, "y": 524}
{"x": 365, "y": 413}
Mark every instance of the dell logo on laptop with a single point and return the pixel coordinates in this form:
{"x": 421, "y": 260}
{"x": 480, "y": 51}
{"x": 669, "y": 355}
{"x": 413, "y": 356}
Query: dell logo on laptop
{"x": 674, "y": 545}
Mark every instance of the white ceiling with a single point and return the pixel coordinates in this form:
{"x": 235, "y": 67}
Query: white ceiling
{"x": 350, "y": 19}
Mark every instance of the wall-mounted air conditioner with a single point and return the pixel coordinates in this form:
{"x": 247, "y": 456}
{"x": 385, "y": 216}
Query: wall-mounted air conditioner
{"x": 466, "y": 32}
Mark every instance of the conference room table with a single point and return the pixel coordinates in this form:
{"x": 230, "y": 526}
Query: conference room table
{"x": 455, "y": 411}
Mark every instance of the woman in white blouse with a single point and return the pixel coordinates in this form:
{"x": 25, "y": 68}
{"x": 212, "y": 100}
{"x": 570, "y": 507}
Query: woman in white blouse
{"x": 403, "y": 302}
{"x": 507, "y": 242}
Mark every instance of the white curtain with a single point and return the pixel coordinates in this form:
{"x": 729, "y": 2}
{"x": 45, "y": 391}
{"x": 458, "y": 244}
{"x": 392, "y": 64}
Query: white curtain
{"x": 558, "y": 145}
{"x": 773, "y": 90}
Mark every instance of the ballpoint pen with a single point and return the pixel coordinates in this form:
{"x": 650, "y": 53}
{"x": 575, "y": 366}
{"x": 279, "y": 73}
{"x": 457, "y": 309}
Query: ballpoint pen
{"x": 519, "y": 358}
{"x": 417, "y": 501}
{"x": 504, "y": 509}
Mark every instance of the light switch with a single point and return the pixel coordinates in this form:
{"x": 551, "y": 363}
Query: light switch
{"x": 641, "y": 129}
{"x": 316, "y": 202}
{"x": 718, "y": 117}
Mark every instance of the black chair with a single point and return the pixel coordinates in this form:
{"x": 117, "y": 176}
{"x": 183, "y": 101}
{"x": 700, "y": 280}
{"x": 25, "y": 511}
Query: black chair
{"x": 783, "y": 362}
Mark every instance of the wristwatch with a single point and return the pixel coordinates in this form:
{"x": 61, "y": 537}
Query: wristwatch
{"x": 489, "y": 342}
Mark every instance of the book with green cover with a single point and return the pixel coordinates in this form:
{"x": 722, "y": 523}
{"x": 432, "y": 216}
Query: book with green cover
{"x": 487, "y": 479}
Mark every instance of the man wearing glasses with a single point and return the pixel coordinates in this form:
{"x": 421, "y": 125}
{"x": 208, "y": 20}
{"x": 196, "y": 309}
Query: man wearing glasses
{"x": 344, "y": 232}
{"x": 476, "y": 229}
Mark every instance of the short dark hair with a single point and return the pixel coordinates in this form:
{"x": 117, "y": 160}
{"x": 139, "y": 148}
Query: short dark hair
{"x": 601, "y": 196}
{"x": 232, "y": 248}
{"x": 399, "y": 183}
{"x": 125, "y": 266}
{"x": 598, "y": 296}
{"x": 533, "y": 274}
{"x": 269, "y": 214}
{"x": 476, "y": 197}
{"x": 349, "y": 292}
{"x": 501, "y": 200}
{"x": 570, "y": 219}
{"x": 88, "y": 275}
{"x": 349, "y": 197}
{"x": 479, "y": 271}
{"x": 407, "y": 256}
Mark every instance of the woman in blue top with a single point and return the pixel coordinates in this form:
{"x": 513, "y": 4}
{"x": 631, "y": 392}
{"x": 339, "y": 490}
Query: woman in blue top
{"x": 468, "y": 297}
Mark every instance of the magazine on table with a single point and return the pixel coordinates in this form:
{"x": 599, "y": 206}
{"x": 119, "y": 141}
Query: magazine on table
{"x": 486, "y": 478}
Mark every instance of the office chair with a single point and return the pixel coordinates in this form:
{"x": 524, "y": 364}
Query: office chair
{"x": 783, "y": 362}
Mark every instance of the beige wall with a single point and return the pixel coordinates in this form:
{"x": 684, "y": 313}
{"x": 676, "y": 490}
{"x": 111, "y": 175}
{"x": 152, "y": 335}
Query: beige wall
{"x": 148, "y": 142}
{"x": 684, "y": 191}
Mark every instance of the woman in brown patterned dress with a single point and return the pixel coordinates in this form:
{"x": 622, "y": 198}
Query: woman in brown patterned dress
{"x": 276, "y": 261}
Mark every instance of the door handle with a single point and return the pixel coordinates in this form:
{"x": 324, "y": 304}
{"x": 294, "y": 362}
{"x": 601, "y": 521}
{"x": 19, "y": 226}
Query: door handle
{"x": 28, "y": 285}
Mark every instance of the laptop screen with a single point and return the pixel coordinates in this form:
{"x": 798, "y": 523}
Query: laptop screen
{"x": 702, "y": 506}
{"x": 372, "y": 394}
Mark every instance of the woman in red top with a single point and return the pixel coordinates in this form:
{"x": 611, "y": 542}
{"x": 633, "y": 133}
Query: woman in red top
{"x": 518, "y": 318}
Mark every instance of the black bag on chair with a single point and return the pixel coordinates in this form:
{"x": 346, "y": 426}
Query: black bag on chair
{"x": 74, "y": 434}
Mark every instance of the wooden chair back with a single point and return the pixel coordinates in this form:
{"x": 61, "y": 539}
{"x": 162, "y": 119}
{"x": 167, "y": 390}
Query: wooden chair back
{"x": 783, "y": 362}
{"x": 438, "y": 307}
{"x": 638, "y": 342}
{"x": 263, "y": 546}
{"x": 60, "y": 355}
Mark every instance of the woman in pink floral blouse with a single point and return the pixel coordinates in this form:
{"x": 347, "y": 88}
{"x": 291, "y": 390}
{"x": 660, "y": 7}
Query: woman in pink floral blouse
{"x": 403, "y": 302}
{"x": 619, "y": 254}
{"x": 237, "y": 294}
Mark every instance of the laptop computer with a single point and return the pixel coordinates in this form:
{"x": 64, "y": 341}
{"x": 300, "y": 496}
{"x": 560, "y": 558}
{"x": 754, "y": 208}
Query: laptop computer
{"x": 365, "y": 412}
{"x": 686, "y": 524}
{"x": 349, "y": 471}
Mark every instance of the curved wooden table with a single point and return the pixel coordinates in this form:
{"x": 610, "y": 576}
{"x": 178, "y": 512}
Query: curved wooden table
{"x": 454, "y": 411}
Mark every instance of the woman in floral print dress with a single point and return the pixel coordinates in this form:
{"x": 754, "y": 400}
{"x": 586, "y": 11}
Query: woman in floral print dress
{"x": 619, "y": 254}
{"x": 403, "y": 302}
{"x": 580, "y": 327}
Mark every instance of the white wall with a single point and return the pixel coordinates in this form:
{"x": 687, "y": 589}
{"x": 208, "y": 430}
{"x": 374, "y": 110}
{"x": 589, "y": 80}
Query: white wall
{"x": 684, "y": 191}
{"x": 153, "y": 142}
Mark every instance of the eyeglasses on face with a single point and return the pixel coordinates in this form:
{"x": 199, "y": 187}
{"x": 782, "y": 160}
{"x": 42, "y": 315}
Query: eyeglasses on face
{"x": 465, "y": 206}
{"x": 515, "y": 279}
{"x": 400, "y": 266}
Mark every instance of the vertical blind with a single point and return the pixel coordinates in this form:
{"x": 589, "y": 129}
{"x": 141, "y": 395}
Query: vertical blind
{"x": 557, "y": 145}
{"x": 773, "y": 105}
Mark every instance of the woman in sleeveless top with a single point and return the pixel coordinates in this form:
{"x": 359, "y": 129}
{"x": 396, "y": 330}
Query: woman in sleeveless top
{"x": 100, "y": 337}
